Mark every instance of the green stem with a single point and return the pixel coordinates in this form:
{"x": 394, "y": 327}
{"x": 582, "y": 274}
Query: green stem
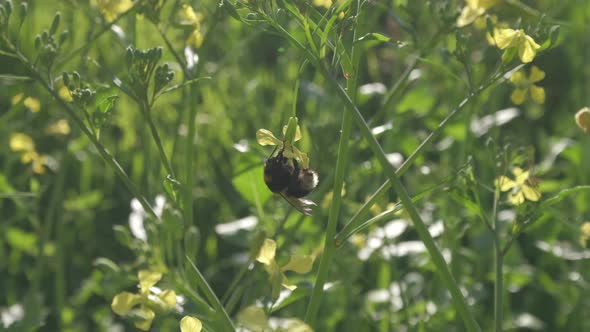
{"x": 147, "y": 113}
{"x": 342, "y": 160}
{"x": 498, "y": 264}
{"x": 211, "y": 297}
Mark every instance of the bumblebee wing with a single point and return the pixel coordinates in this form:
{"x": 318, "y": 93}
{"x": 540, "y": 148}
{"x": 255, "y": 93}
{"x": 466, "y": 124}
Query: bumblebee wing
{"x": 301, "y": 204}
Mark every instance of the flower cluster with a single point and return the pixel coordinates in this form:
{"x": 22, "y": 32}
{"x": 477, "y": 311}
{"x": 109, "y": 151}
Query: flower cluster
{"x": 24, "y": 145}
{"x": 146, "y": 300}
{"x": 521, "y": 188}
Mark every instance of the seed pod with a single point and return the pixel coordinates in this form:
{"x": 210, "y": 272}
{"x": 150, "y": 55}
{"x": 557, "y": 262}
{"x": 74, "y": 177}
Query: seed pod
{"x": 24, "y": 9}
{"x": 55, "y": 23}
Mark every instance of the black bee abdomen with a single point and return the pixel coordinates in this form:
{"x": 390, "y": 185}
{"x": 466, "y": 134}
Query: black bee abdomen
{"x": 277, "y": 173}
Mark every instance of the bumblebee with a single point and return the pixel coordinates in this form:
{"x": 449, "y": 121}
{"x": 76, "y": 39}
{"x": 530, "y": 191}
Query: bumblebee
{"x": 285, "y": 177}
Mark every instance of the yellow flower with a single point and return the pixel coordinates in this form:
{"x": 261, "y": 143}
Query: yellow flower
{"x": 60, "y": 127}
{"x": 322, "y": 3}
{"x": 525, "y": 85}
{"x": 32, "y": 104}
{"x": 195, "y": 39}
{"x": 24, "y": 145}
{"x": 111, "y": 9}
{"x": 297, "y": 264}
{"x": 124, "y": 302}
{"x": 473, "y": 10}
{"x": 521, "y": 187}
{"x": 62, "y": 90}
{"x": 188, "y": 16}
{"x": 525, "y": 44}
{"x": 20, "y": 142}
{"x": 583, "y": 119}
{"x": 585, "y": 233}
{"x": 291, "y": 134}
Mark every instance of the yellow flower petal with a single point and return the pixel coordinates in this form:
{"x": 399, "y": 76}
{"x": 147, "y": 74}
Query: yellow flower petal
{"x": 188, "y": 16}
{"x": 505, "y": 38}
{"x": 322, "y": 3}
{"x": 536, "y": 74}
{"x": 299, "y": 264}
{"x": 521, "y": 176}
{"x": 17, "y": 98}
{"x": 190, "y": 324}
{"x": 518, "y": 78}
{"x": 38, "y": 163}
{"x": 110, "y": 9}
{"x": 469, "y": 15}
{"x": 504, "y": 183}
{"x": 517, "y": 171}
{"x": 265, "y": 137}
{"x": 148, "y": 315}
{"x": 253, "y": 318}
{"x": 195, "y": 39}
{"x": 60, "y": 127}
{"x": 527, "y": 49}
{"x": 266, "y": 255}
{"x": 516, "y": 198}
{"x": 583, "y": 119}
{"x": 33, "y": 104}
{"x": 147, "y": 279}
{"x": 537, "y": 94}
{"x": 531, "y": 193}
{"x": 297, "y": 133}
{"x": 20, "y": 142}
{"x": 287, "y": 284}
{"x": 168, "y": 296}
{"x": 518, "y": 96}
{"x": 124, "y": 302}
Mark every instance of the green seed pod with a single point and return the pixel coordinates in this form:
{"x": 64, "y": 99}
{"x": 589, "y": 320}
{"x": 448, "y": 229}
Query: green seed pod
{"x": 44, "y": 36}
{"x": 55, "y": 23}
{"x": 63, "y": 37}
{"x": 37, "y": 41}
{"x": 3, "y": 14}
{"x": 9, "y": 8}
{"x": 76, "y": 77}
{"x": 24, "y": 9}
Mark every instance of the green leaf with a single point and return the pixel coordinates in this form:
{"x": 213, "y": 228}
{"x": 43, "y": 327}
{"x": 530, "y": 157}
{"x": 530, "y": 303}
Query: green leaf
{"x": 21, "y": 241}
{"x": 250, "y": 184}
{"x": 562, "y": 195}
{"x": 84, "y": 201}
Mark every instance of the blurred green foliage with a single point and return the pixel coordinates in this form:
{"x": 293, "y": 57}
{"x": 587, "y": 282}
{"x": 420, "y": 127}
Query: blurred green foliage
{"x": 75, "y": 225}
